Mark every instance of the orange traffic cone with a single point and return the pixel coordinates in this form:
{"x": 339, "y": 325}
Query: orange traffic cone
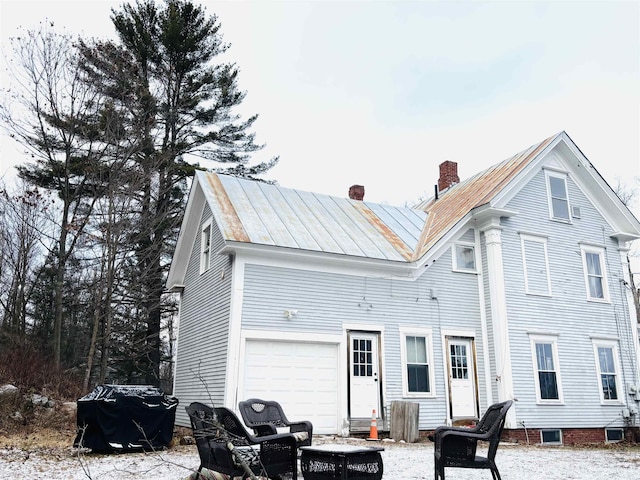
{"x": 373, "y": 431}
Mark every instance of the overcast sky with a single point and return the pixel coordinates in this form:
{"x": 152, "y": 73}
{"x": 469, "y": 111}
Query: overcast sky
{"x": 380, "y": 93}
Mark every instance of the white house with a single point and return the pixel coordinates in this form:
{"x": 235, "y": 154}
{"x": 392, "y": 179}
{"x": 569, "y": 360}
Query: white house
{"x": 512, "y": 284}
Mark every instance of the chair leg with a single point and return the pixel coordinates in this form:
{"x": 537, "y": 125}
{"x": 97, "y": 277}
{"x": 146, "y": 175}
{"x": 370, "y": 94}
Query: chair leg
{"x": 198, "y": 473}
{"x": 495, "y": 474}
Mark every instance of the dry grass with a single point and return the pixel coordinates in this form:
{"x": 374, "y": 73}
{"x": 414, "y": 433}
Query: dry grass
{"x": 43, "y": 428}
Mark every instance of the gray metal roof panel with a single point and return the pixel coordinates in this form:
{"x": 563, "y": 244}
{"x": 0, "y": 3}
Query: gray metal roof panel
{"x": 331, "y": 226}
{"x": 315, "y": 236}
{"x": 261, "y": 213}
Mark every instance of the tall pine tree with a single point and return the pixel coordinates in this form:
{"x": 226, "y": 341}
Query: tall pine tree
{"x": 176, "y": 108}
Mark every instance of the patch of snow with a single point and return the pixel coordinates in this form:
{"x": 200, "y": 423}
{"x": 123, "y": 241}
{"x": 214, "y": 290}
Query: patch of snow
{"x": 406, "y": 461}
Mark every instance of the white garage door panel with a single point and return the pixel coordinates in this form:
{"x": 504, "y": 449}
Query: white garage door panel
{"x": 302, "y": 377}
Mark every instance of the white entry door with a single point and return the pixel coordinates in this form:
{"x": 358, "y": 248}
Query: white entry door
{"x": 364, "y": 381}
{"x": 462, "y": 387}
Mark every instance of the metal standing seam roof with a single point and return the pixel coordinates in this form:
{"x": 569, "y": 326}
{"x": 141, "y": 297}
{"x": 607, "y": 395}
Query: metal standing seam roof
{"x": 260, "y": 213}
{"x": 264, "y": 214}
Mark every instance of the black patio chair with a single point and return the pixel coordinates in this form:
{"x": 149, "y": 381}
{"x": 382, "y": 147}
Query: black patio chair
{"x": 225, "y": 446}
{"x": 266, "y": 416}
{"x": 456, "y": 446}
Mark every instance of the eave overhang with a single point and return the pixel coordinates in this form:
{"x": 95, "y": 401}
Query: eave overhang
{"x": 321, "y": 260}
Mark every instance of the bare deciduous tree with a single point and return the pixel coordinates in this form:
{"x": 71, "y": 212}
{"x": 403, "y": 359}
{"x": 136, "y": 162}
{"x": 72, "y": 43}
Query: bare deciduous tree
{"x": 53, "y": 115}
{"x": 21, "y": 230}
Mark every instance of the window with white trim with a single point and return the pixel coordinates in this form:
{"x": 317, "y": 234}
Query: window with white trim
{"x": 595, "y": 273}
{"x": 544, "y": 349}
{"x": 535, "y": 260}
{"x": 558, "y": 196}
{"x": 417, "y": 360}
{"x": 205, "y": 246}
{"x": 551, "y": 436}
{"x": 464, "y": 257}
{"x": 608, "y": 370}
{"x": 613, "y": 435}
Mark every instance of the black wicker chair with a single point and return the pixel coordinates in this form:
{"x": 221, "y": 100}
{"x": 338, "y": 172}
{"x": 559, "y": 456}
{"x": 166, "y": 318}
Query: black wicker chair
{"x": 456, "y": 446}
{"x": 226, "y": 447}
{"x": 265, "y": 417}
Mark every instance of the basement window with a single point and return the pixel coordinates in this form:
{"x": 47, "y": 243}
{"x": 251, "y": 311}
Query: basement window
{"x": 613, "y": 435}
{"x": 551, "y": 437}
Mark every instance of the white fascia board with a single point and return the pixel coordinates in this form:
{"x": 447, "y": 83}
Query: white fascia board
{"x": 586, "y": 178}
{"x": 525, "y": 176}
{"x": 186, "y": 237}
{"x": 596, "y": 189}
{"x": 319, "y": 261}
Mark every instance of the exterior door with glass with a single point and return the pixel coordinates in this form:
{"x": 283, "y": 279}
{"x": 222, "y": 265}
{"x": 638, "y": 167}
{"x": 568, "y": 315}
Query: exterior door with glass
{"x": 462, "y": 378}
{"x": 364, "y": 381}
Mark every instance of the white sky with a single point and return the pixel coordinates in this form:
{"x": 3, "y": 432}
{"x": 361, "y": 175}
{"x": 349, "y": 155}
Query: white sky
{"x": 380, "y": 93}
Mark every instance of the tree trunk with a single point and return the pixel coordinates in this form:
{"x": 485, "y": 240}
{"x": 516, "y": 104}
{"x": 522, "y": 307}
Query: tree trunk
{"x": 94, "y": 337}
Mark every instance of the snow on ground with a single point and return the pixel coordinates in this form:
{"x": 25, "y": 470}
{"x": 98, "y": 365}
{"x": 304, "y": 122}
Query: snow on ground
{"x": 401, "y": 461}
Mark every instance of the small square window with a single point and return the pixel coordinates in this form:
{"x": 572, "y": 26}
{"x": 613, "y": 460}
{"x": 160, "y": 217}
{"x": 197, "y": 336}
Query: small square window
{"x": 551, "y": 437}
{"x": 614, "y": 435}
{"x": 464, "y": 258}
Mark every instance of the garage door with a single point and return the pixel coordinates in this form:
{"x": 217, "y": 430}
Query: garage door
{"x": 302, "y": 377}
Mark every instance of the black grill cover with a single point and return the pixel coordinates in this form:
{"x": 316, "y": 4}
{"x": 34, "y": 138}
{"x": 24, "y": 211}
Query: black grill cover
{"x": 125, "y": 418}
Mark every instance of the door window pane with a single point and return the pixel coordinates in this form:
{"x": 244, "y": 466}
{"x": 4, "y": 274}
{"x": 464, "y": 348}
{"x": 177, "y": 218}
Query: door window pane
{"x": 362, "y": 358}
{"x": 459, "y": 368}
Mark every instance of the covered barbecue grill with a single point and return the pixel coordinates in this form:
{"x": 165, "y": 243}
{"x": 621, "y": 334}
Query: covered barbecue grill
{"x": 125, "y": 418}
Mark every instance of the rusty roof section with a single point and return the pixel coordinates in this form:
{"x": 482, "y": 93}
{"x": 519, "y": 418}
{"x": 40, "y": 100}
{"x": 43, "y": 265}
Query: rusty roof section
{"x": 225, "y": 214}
{"x": 458, "y": 200}
{"x": 259, "y": 213}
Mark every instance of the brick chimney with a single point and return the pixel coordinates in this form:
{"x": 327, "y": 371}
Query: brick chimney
{"x": 448, "y": 175}
{"x": 356, "y": 192}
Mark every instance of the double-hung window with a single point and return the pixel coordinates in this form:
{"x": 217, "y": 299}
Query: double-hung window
{"x": 544, "y": 349}
{"x": 558, "y": 196}
{"x": 608, "y": 368}
{"x": 417, "y": 361}
{"x": 205, "y": 246}
{"x": 595, "y": 273}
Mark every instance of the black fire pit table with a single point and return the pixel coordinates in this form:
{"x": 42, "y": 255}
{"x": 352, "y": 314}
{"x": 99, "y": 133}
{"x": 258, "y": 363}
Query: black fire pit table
{"x": 345, "y": 462}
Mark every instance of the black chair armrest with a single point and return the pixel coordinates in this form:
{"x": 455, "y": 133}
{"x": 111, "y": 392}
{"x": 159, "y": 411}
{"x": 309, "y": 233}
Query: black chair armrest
{"x": 303, "y": 426}
{"x": 462, "y": 434}
{"x": 456, "y": 429}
